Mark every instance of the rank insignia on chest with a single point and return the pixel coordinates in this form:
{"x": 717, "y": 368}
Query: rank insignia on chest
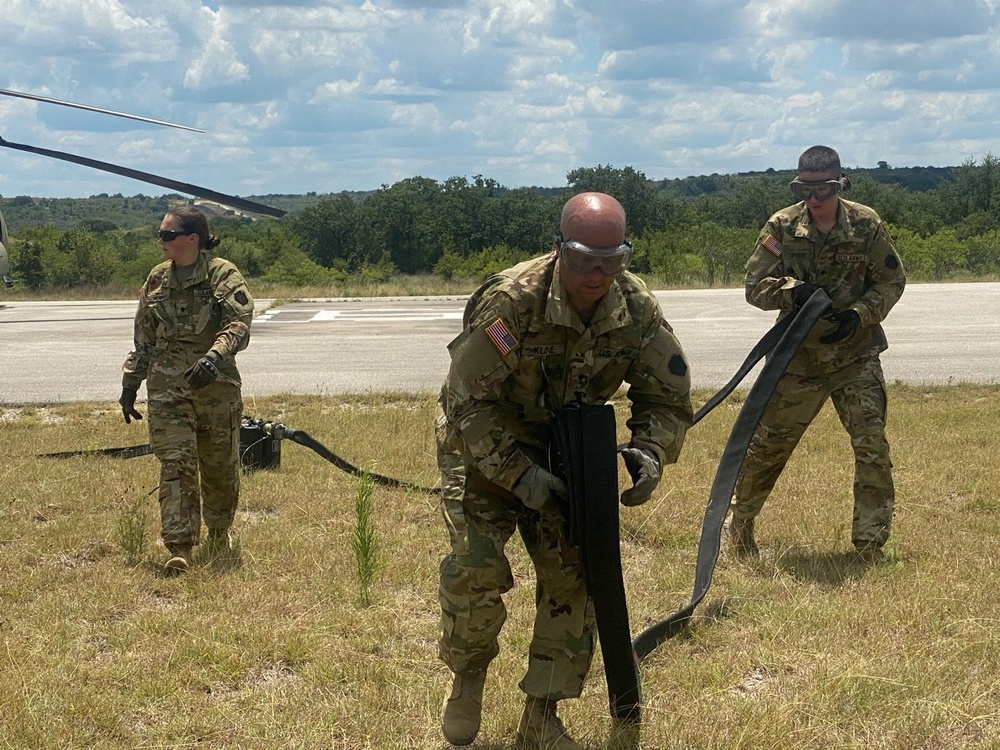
{"x": 772, "y": 245}
{"x": 501, "y": 337}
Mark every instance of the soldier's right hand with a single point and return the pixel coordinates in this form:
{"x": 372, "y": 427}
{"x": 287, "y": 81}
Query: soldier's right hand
{"x": 127, "y": 402}
{"x": 802, "y": 293}
{"x": 536, "y": 487}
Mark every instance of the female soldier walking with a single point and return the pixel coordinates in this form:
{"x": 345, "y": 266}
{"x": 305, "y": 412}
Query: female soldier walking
{"x": 194, "y": 315}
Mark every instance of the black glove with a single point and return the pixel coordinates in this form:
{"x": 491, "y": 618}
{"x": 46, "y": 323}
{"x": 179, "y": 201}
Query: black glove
{"x": 644, "y": 468}
{"x": 847, "y": 323}
{"x": 802, "y": 293}
{"x": 127, "y": 401}
{"x": 202, "y": 372}
{"x": 536, "y": 486}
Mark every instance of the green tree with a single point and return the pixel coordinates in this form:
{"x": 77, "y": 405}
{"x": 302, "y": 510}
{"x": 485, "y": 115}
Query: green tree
{"x": 630, "y": 187}
{"x": 27, "y": 265}
{"x": 328, "y": 230}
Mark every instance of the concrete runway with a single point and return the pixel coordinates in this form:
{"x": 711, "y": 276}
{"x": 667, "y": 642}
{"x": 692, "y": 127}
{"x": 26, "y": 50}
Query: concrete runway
{"x": 72, "y": 351}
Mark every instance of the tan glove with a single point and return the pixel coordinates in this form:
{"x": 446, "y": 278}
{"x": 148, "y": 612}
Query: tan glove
{"x": 536, "y": 486}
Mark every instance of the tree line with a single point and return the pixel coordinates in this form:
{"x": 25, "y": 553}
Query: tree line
{"x": 696, "y": 231}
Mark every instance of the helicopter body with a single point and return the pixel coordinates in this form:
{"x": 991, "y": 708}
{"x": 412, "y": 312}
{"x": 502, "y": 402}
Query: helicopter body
{"x": 4, "y": 259}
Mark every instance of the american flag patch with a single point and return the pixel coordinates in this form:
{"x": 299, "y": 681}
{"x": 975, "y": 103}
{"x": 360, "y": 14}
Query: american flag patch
{"x": 501, "y": 336}
{"x": 772, "y": 245}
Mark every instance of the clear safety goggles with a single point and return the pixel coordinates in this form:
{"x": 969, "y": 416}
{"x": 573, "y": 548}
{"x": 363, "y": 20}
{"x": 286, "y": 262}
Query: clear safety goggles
{"x": 822, "y": 189}
{"x": 583, "y": 259}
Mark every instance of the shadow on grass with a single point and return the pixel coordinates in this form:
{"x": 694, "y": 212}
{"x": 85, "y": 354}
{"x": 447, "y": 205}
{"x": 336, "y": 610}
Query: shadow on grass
{"x": 829, "y": 568}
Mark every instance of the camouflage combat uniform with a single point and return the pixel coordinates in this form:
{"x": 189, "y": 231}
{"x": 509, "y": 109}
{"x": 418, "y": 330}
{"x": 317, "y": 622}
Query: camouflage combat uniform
{"x": 858, "y": 266}
{"x": 194, "y": 432}
{"x": 499, "y": 400}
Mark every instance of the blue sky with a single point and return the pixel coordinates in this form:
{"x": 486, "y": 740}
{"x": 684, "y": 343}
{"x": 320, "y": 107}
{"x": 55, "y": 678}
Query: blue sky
{"x": 331, "y": 95}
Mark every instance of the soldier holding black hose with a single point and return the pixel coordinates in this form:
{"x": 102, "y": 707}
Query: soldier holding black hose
{"x": 572, "y": 325}
{"x": 825, "y": 242}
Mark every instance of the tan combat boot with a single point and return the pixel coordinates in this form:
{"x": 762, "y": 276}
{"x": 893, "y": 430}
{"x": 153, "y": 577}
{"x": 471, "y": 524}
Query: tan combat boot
{"x": 869, "y": 553}
{"x": 218, "y": 541}
{"x": 179, "y": 560}
{"x": 462, "y": 710}
{"x": 541, "y": 729}
{"x": 741, "y": 541}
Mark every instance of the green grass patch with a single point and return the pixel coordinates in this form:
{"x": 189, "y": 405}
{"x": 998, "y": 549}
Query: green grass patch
{"x": 802, "y": 649}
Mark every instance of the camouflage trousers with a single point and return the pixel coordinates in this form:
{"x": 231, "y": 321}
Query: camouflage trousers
{"x": 481, "y": 518}
{"x": 196, "y": 435}
{"x": 858, "y": 395}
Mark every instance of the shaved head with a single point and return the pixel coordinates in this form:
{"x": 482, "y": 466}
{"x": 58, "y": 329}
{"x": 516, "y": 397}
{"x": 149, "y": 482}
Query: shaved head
{"x": 595, "y": 219}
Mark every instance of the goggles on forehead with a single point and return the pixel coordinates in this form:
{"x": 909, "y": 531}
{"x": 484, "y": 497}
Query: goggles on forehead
{"x": 583, "y": 259}
{"x": 821, "y": 189}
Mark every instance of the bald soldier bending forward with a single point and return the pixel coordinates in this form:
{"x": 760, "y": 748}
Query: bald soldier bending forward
{"x": 569, "y": 326}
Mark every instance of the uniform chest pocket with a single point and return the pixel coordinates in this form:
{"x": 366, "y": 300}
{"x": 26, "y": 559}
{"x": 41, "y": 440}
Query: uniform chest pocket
{"x": 207, "y": 310}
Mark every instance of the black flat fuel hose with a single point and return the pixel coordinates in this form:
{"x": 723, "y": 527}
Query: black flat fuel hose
{"x": 306, "y": 440}
{"x": 792, "y": 331}
{"x": 585, "y": 439}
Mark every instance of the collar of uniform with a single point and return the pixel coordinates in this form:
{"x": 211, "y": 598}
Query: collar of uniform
{"x": 842, "y": 232}
{"x": 199, "y": 274}
{"x": 611, "y": 312}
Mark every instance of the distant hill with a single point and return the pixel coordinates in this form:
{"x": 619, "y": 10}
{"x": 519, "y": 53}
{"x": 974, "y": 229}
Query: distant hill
{"x": 915, "y": 179}
{"x": 105, "y": 212}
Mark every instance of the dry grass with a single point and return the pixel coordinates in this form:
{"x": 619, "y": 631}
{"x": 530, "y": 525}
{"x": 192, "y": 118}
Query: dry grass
{"x": 804, "y": 649}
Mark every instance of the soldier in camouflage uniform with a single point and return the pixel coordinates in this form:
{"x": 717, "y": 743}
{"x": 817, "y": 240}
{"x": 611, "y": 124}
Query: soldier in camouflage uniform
{"x": 825, "y": 242}
{"x": 567, "y": 326}
{"x": 193, "y": 317}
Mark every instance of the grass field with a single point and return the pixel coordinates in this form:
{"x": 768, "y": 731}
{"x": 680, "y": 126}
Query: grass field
{"x": 279, "y": 647}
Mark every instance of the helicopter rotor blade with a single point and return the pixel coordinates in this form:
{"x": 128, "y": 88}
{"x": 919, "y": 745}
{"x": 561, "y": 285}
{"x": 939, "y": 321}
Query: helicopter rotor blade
{"x": 181, "y": 187}
{"x": 103, "y": 111}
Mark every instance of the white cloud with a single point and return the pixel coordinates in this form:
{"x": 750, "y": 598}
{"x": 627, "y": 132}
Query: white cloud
{"x": 328, "y": 95}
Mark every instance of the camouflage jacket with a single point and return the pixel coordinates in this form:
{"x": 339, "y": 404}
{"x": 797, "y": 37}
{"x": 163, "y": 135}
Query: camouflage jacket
{"x": 856, "y": 264}
{"x": 178, "y": 323}
{"x": 525, "y": 352}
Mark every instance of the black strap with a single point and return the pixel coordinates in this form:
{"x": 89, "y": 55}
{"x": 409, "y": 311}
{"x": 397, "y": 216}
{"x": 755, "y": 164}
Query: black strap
{"x": 585, "y": 439}
{"x": 130, "y": 451}
{"x": 152, "y": 179}
{"x": 793, "y": 332}
{"x": 304, "y": 439}
{"x": 760, "y": 350}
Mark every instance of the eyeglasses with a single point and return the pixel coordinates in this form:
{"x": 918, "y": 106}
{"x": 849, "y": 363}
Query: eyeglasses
{"x": 168, "y": 235}
{"x": 583, "y": 259}
{"x": 822, "y": 189}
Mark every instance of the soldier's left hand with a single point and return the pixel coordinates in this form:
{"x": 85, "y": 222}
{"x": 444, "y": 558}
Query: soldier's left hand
{"x": 847, "y": 323}
{"x": 202, "y": 372}
{"x": 644, "y": 468}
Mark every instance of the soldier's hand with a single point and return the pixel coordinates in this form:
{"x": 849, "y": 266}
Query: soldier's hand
{"x": 537, "y": 486}
{"x": 202, "y": 372}
{"x": 644, "y": 468}
{"x": 802, "y": 293}
{"x": 127, "y": 402}
{"x": 847, "y": 323}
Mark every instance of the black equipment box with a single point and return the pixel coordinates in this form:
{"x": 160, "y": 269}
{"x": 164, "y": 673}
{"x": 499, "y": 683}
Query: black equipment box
{"x": 258, "y": 448}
